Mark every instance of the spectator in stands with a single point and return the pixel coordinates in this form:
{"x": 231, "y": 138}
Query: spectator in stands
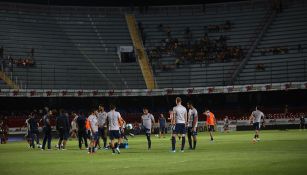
{"x": 32, "y": 52}
{"x": 227, "y": 26}
{"x": 274, "y": 50}
{"x": 10, "y": 64}
{"x": 168, "y": 31}
{"x": 142, "y": 33}
{"x": 160, "y": 27}
{"x": 277, "y": 6}
{"x": 188, "y": 34}
{"x": 202, "y": 50}
{"x": 299, "y": 48}
{"x": 262, "y": 51}
{"x": 205, "y": 29}
{"x": 177, "y": 62}
{"x": 3, "y": 64}
{"x": 260, "y": 67}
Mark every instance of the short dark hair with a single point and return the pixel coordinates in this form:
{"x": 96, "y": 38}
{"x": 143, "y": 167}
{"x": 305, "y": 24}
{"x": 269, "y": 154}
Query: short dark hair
{"x": 190, "y": 103}
{"x": 61, "y": 111}
{"x": 112, "y": 106}
{"x": 93, "y": 110}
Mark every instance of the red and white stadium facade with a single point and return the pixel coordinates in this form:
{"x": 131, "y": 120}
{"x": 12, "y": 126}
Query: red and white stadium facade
{"x": 154, "y": 92}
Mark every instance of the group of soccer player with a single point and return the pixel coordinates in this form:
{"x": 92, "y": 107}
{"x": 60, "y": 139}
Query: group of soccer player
{"x": 100, "y": 123}
{"x": 184, "y": 121}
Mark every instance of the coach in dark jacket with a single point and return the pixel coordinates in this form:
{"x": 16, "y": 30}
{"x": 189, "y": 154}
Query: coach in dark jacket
{"x": 62, "y": 126}
{"x": 82, "y": 135}
{"x": 47, "y": 130}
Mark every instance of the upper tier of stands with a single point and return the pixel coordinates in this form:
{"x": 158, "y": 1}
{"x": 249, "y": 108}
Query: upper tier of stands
{"x": 288, "y": 31}
{"x": 244, "y": 19}
{"x": 72, "y": 51}
{"x": 76, "y": 48}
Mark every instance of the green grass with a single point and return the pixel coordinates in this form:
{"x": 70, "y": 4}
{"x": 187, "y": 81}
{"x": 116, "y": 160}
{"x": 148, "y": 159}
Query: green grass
{"x": 278, "y": 152}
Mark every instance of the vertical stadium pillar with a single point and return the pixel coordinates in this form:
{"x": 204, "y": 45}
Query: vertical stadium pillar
{"x": 140, "y": 51}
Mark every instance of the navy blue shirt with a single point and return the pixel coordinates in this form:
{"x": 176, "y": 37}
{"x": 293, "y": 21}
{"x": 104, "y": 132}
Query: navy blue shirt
{"x": 62, "y": 122}
{"x": 162, "y": 122}
{"x": 33, "y": 124}
{"x": 81, "y": 123}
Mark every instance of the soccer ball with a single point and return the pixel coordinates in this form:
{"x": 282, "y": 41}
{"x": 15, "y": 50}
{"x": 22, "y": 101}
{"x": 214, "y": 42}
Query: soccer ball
{"x": 129, "y": 126}
{"x": 39, "y": 146}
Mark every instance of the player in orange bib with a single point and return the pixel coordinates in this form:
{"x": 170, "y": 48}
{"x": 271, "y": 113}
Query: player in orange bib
{"x": 210, "y": 122}
{"x": 88, "y": 128}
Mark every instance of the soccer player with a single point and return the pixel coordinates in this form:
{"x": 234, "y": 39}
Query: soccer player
{"x": 180, "y": 119}
{"x": 226, "y": 124}
{"x": 113, "y": 120}
{"x": 122, "y": 128}
{"x": 211, "y": 121}
{"x": 34, "y": 133}
{"x": 255, "y": 120}
{"x": 88, "y": 128}
{"x": 162, "y": 125}
{"x": 62, "y": 126}
{"x": 28, "y": 134}
{"x": 82, "y": 135}
{"x": 302, "y": 121}
{"x": 73, "y": 130}
{"x": 94, "y": 130}
{"x": 102, "y": 126}
{"x": 192, "y": 125}
{"x": 148, "y": 121}
{"x": 47, "y": 130}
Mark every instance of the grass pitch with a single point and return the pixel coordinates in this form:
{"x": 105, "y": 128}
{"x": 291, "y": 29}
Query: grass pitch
{"x": 278, "y": 152}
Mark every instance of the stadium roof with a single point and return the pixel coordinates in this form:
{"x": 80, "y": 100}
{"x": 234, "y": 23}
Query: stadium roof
{"x": 117, "y": 2}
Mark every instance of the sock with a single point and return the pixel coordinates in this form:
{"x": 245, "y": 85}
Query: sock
{"x": 190, "y": 141}
{"x": 113, "y": 149}
{"x": 89, "y": 149}
{"x": 149, "y": 144}
{"x": 59, "y": 144}
{"x": 104, "y": 142}
{"x": 173, "y": 143}
{"x": 148, "y": 141}
{"x": 194, "y": 144}
{"x": 93, "y": 149}
{"x": 183, "y": 143}
{"x": 255, "y": 136}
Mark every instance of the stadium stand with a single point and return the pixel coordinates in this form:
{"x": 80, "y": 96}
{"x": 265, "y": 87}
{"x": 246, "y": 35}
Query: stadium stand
{"x": 71, "y": 51}
{"x": 3, "y": 85}
{"x": 244, "y": 22}
{"x": 76, "y": 48}
{"x": 281, "y": 54}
